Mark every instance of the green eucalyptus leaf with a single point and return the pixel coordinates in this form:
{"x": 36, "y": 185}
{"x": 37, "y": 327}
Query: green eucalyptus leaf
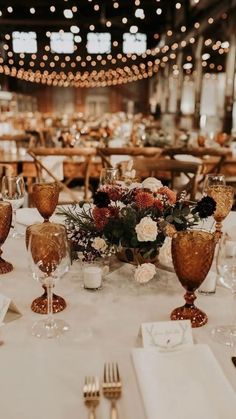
{"x": 178, "y": 220}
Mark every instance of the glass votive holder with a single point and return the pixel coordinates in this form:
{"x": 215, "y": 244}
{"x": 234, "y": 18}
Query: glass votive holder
{"x": 208, "y": 286}
{"x": 92, "y": 273}
{"x": 230, "y": 248}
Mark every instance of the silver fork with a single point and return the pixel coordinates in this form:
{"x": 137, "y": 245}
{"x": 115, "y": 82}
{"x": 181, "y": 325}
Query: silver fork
{"x": 112, "y": 386}
{"x": 91, "y": 393}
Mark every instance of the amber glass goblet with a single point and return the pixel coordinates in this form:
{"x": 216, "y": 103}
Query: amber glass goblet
{"x": 192, "y": 254}
{"x": 45, "y": 197}
{"x": 40, "y": 304}
{"x": 5, "y": 225}
{"x": 49, "y": 260}
{"x": 224, "y": 197}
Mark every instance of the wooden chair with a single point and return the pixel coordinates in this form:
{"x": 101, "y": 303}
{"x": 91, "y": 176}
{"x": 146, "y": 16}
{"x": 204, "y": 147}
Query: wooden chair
{"x": 170, "y": 170}
{"x": 20, "y": 140}
{"x": 213, "y": 159}
{"x": 107, "y": 152}
{"x": 40, "y": 168}
{"x": 6, "y": 169}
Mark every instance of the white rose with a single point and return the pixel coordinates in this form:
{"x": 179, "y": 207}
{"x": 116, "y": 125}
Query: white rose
{"x": 152, "y": 184}
{"x": 99, "y": 244}
{"x": 146, "y": 230}
{"x": 144, "y": 273}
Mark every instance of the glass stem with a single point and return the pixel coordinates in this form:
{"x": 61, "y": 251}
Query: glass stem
{"x": 218, "y": 246}
{"x": 232, "y": 329}
{"x": 14, "y": 220}
{"x": 49, "y": 321}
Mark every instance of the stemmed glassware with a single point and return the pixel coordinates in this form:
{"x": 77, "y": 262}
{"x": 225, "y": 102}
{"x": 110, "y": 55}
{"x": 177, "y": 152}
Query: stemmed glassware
{"x": 5, "y": 225}
{"x": 226, "y": 334}
{"x": 223, "y": 196}
{"x": 45, "y": 197}
{"x": 108, "y": 176}
{"x": 13, "y": 191}
{"x": 213, "y": 179}
{"x": 192, "y": 254}
{"x": 49, "y": 260}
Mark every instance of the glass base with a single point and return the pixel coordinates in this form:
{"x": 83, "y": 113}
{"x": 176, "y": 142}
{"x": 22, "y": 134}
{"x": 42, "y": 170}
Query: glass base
{"x": 197, "y": 317}
{"x": 41, "y": 329}
{"x": 40, "y": 304}
{"x": 92, "y": 289}
{"x": 225, "y": 335}
{"x": 5, "y": 266}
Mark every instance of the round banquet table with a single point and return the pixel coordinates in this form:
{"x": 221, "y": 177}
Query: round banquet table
{"x": 44, "y": 378}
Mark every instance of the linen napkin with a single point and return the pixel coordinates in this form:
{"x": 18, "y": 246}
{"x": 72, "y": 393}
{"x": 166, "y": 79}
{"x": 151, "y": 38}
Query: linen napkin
{"x": 55, "y": 165}
{"x": 183, "y": 384}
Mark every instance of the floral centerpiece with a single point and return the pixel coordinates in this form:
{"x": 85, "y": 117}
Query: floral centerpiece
{"x": 133, "y": 222}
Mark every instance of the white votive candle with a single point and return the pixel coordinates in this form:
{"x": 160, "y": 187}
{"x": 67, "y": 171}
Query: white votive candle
{"x": 209, "y": 284}
{"x": 230, "y": 248}
{"x": 92, "y": 276}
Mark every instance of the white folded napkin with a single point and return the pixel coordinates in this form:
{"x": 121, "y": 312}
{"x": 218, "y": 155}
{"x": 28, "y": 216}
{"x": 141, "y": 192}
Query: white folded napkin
{"x": 183, "y": 384}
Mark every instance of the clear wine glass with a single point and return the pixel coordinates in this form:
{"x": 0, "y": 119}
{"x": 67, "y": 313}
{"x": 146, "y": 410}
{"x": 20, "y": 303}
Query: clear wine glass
{"x": 49, "y": 260}
{"x": 226, "y": 334}
{"x": 213, "y": 179}
{"x": 108, "y": 176}
{"x": 13, "y": 191}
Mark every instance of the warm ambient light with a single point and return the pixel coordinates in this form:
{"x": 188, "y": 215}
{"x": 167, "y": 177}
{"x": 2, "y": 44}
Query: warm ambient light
{"x": 68, "y": 13}
{"x": 132, "y": 50}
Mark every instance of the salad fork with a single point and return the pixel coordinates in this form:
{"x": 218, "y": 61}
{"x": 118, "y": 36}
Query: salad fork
{"x": 91, "y": 393}
{"x": 112, "y": 386}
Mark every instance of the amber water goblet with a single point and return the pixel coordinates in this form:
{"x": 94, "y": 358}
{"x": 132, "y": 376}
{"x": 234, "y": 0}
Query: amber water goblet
{"x": 45, "y": 197}
{"x": 192, "y": 254}
{"x": 49, "y": 260}
{"x": 5, "y": 225}
{"x": 224, "y": 198}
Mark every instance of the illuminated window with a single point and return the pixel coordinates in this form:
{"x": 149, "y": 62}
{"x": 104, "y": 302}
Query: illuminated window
{"x": 24, "y": 42}
{"x": 99, "y": 43}
{"x": 62, "y": 43}
{"x": 134, "y": 43}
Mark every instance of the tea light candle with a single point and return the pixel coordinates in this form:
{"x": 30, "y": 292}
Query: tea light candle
{"x": 92, "y": 276}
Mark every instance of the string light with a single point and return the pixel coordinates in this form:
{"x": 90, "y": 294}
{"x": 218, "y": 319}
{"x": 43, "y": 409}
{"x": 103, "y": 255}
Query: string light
{"x": 112, "y": 76}
{"x": 178, "y": 6}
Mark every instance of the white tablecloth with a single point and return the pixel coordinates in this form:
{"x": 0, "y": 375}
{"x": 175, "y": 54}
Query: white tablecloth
{"x": 44, "y": 378}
